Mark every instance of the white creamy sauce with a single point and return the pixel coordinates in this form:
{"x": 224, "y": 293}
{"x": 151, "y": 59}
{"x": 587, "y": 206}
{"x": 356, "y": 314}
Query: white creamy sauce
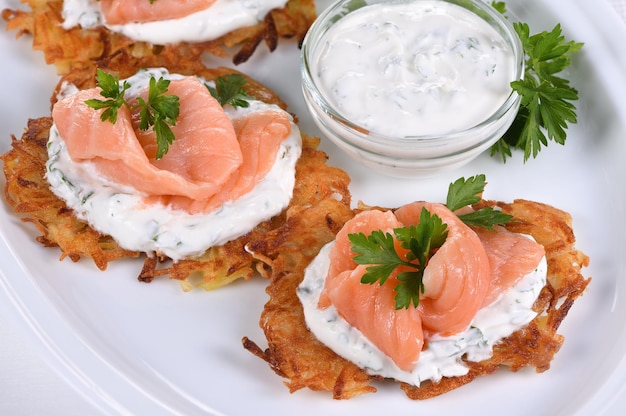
{"x": 443, "y": 355}
{"x": 408, "y": 69}
{"x": 222, "y": 17}
{"x": 120, "y": 212}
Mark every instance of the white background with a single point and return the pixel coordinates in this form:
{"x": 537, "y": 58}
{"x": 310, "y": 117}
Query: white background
{"x": 29, "y": 387}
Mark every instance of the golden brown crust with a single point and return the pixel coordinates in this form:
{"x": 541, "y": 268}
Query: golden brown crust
{"x": 77, "y": 47}
{"x": 294, "y": 353}
{"x": 27, "y": 191}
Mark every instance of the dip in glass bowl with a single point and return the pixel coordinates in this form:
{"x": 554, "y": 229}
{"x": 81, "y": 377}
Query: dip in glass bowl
{"x": 412, "y": 87}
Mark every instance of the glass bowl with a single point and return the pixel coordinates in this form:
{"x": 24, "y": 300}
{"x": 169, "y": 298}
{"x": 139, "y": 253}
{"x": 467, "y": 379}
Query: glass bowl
{"x": 410, "y": 147}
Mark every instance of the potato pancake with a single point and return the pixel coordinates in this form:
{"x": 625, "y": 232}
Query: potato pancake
{"x": 28, "y": 192}
{"x": 295, "y": 353}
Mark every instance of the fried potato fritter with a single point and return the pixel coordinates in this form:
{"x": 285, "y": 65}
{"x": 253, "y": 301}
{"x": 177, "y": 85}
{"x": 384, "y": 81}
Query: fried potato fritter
{"x": 77, "y": 47}
{"x": 27, "y": 191}
{"x": 295, "y": 353}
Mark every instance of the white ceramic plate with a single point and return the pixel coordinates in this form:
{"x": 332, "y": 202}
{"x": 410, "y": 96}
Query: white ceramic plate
{"x": 134, "y": 348}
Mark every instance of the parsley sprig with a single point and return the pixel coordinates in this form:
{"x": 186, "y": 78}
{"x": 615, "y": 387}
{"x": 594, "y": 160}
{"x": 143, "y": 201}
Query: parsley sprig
{"x": 110, "y": 86}
{"x": 546, "y": 107}
{"x": 420, "y": 243}
{"x": 228, "y": 90}
{"x": 462, "y": 193}
{"x": 159, "y": 112}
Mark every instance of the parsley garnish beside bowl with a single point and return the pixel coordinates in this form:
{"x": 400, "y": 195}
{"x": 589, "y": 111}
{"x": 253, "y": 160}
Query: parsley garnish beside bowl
{"x": 547, "y": 107}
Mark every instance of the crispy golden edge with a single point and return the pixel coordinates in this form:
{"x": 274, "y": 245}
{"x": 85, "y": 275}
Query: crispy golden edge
{"x": 75, "y": 48}
{"x": 294, "y": 353}
{"x": 27, "y": 191}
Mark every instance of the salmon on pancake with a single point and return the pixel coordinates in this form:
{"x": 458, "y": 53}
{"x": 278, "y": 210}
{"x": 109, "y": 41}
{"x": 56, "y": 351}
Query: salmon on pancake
{"x": 113, "y": 176}
{"x": 429, "y": 295}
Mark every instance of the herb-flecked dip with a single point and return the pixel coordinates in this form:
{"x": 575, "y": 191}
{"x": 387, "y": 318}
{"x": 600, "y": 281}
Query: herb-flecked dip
{"x": 414, "y": 69}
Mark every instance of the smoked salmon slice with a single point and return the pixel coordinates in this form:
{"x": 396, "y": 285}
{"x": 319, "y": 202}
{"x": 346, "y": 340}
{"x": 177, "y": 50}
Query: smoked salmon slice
{"x": 511, "y": 257}
{"x": 371, "y": 308}
{"x": 457, "y": 277}
{"x": 260, "y": 135}
{"x": 206, "y": 148}
{"x": 120, "y": 12}
{"x": 212, "y": 159}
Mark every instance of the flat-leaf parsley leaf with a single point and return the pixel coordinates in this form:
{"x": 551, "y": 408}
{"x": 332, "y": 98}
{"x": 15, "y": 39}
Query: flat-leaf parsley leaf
{"x": 546, "y": 107}
{"x": 228, "y": 90}
{"x": 110, "y": 86}
{"x": 462, "y": 193}
{"x": 159, "y": 112}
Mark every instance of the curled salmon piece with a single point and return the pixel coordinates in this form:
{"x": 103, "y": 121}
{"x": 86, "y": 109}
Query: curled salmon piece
{"x": 119, "y": 12}
{"x": 469, "y": 271}
{"x": 456, "y": 281}
{"x": 457, "y": 276}
{"x": 371, "y": 308}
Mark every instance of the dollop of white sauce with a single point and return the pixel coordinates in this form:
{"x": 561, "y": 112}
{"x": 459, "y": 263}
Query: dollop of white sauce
{"x": 413, "y": 68}
{"x": 120, "y": 211}
{"x": 442, "y": 356}
{"x": 220, "y": 18}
